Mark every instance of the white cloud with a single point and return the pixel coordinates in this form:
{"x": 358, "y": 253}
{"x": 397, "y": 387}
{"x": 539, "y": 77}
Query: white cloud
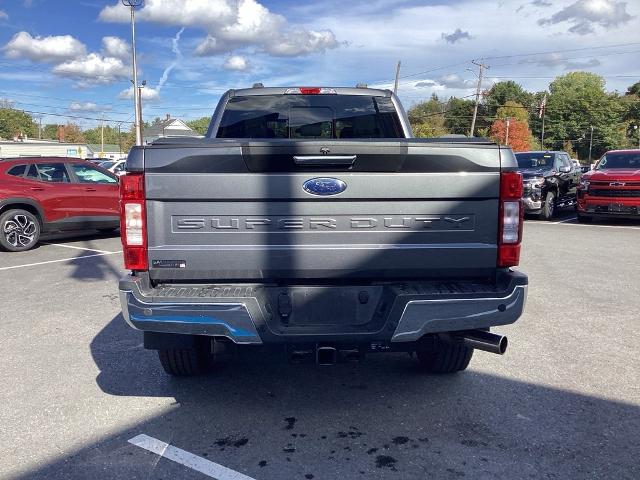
{"x": 3, "y": 15}
{"x": 93, "y": 69}
{"x": 585, "y": 14}
{"x": 87, "y": 107}
{"x": 230, "y": 24}
{"x": 454, "y": 80}
{"x": 237, "y": 63}
{"x": 149, "y": 94}
{"x": 116, "y": 47}
{"x": 44, "y": 49}
{"x": 560, "y": 60}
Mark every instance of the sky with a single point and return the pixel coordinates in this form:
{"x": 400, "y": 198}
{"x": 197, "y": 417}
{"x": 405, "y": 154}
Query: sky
{"x": 70, "y": 60}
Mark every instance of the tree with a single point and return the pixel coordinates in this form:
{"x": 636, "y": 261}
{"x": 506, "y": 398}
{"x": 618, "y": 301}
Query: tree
{"x": 199, "y": 125}
{"x": 73, "y": 134}
{"x": 457, "y": 117}
{"x": 94, "y": 135}
{"x": 50, "y": 131}
{"x": 577, "y": 102}
{"x": 502, "y": 93}
{"x": 515, "y": 110}
{"x": 427, "y": 118}
{"x": 519, "y": 138}
{"x": 16, "y": 123}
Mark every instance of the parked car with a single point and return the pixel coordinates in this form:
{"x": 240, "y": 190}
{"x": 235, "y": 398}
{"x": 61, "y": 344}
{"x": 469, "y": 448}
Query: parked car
{"x": 550, "y": 182}
{"x": 115, "y": 166}
{"x": 612, "y": 189}
{"x": 309, "y": 219}
{"x": 46, "y": 194}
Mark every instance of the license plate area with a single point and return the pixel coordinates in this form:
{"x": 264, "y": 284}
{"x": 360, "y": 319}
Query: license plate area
{"x": 617, "y": 208}
{"x": 324, "y": 305}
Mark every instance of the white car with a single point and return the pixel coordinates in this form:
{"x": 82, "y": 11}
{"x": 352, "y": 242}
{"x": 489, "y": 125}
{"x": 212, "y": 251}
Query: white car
{"x": 115, "y": 166}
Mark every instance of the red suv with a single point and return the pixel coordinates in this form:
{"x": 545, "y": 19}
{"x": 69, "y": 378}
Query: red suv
{"x": 612, "y": 189}
{"x": 46, "y": 194}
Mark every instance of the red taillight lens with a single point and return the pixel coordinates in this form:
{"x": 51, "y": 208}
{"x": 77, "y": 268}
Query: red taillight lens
{"x": 511, "y": 219}
{"x": 133, "y": 221}
{"x": 309, "y": 90}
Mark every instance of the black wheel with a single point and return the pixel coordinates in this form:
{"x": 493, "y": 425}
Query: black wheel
{"x": 107, "y": 230}
{"x": 584, "y": 219}
{"x": 183, "y": 362}
{"x": 436, "y": 356}
{"x": 549, "y": 207}
{"x": 20, "y": 230}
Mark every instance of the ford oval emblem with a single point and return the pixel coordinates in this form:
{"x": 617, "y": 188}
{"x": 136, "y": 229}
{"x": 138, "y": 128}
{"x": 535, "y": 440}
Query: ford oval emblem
{"x": 324, "y": 186}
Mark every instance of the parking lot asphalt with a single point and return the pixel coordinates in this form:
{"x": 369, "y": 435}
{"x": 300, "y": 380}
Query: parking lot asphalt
{"x": 564, "y": 402}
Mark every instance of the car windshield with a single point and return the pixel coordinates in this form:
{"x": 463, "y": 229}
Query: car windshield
{"x": 619, "y": 160}
{"x": 107, "y": 165}
{"x": 310, "y": 116}
{"x": 535, "y": 160}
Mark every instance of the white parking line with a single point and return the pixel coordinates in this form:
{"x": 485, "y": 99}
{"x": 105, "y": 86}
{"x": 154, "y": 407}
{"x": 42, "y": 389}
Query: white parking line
{"x": 175, "y": 454}
{"x": 566, "y": 220}
{"x": 587, "y": 225}
{"x": 59, "y": 260}
{"x": 76, "y": 248}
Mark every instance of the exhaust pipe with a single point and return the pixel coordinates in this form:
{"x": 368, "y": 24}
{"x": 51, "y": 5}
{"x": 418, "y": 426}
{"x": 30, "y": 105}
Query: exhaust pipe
{"x": 326, "y": 355}
{"x": 480, "y": 340}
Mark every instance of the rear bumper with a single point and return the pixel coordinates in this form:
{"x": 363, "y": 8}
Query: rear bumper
{"x": 247, "y": 314}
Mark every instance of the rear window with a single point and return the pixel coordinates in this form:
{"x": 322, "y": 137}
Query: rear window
{"x": 619, "y": 160}
{"x": 17, "y": 171}
{"x": 535, "y": 160}
{"x": 310, "y": 116}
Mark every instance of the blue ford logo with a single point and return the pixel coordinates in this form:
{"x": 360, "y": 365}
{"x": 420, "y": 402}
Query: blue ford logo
{"x": 324, "y": 186}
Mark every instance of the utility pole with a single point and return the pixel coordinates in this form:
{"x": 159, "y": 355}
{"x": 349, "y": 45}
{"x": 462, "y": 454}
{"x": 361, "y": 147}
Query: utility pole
{"x": 478, "y": 89}
{"x": 506, "y": 139}
{"x": 139, "y": 112}
{"x": 102, "y": 136}
{"x": 590, "y": 143}
{"x": 395, "y": 85}
{"x": 132, "y": 4}
{"x": 636, "y": 127}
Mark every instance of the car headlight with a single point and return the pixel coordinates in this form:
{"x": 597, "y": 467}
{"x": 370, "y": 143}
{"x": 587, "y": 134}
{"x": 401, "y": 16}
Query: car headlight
{"x": 535, "y": 182}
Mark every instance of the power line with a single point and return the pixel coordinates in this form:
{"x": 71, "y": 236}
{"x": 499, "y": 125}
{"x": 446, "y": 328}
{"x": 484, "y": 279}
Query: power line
{"x": 73, "y": 116}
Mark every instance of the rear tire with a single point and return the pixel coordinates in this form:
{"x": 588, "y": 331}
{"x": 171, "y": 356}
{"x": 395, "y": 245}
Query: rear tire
{"x": 184, "y": 362}
{"x": 436, "y": 356}
{"x": 19, "y": 230}
{"x": 549, "y": 207}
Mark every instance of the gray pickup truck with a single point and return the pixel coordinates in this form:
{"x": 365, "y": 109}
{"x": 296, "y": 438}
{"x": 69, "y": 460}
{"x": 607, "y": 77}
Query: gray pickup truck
{"x": 309, "y": 220}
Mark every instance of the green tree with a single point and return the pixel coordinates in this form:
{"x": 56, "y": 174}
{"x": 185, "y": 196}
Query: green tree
{"x": 458, "y": 113}
{"x": 512, "y": 109}
{"x": 93, "y": 135}
{"x": 199, "y": 125}
{"x": 16, "y": 123}
{"x": 427, "y": 118}
{"x": 577, "y": 102}
{"x": 503, "y": 92}
{"x": 50, "y": 131}
{"x": 631, "y": 117}
{"x": 73, "y": 134}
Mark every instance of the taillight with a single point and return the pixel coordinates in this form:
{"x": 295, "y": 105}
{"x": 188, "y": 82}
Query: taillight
{"x": 310, "y": 91}
{"x": 133, "y": 221}
{"x": 511, "y": 219}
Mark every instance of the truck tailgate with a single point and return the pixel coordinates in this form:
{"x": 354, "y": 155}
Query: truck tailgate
{"x": 225, "y": 210}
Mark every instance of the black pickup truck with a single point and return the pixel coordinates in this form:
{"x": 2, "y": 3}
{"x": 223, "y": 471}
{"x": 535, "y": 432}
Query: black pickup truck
{"x": 550, "y": 182}
{"x": 308, "y": 219}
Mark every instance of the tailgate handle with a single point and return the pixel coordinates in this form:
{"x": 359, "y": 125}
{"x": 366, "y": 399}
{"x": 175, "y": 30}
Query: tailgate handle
{"x": 315, "y": 160}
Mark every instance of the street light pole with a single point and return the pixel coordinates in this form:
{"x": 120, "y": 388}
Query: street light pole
{"x": 590, "y": 143}
{"x": 132, "y": 4}
{"x": 636, "y": 127}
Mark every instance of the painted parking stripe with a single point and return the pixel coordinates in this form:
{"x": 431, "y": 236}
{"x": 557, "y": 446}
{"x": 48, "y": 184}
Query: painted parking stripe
{"x": 76, "y": 248}
{"x": 189, "y": 460}
{"x": 588, "y": 225}
{"x": 59, "y": 260}
{"x": 566, "y": 220}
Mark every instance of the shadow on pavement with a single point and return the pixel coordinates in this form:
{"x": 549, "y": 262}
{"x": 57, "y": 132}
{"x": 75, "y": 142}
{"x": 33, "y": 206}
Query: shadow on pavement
{"x": 378, "y": 419}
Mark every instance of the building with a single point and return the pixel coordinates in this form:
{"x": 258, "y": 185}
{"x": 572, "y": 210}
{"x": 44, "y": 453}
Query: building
{"x": 110, "y": 152}
{"x": 169, "y": 127}
{"x": 44, "y": 148}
